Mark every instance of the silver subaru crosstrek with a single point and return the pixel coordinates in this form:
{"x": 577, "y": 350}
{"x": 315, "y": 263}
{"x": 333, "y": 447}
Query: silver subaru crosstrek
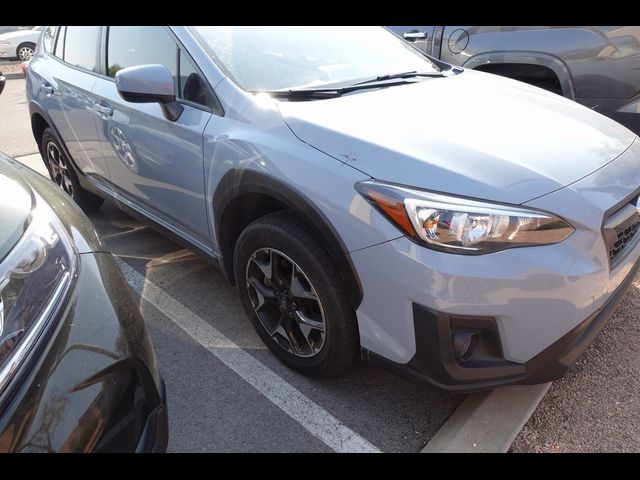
{"x": 366, "y": 199}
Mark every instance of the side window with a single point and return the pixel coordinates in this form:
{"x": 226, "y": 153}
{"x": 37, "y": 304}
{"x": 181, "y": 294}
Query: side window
{"x": 190, "y": 84}
{"x": 58, "y": 52}
{"x": 48, "y": 36}
{"x": 131, "y": 46}
{"x": 81, "y": 46}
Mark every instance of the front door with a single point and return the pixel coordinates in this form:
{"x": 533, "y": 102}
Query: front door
{"x": 155, "y": 164}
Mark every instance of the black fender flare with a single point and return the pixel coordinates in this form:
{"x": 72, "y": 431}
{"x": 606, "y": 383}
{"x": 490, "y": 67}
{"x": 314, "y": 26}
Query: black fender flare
{"x": 238, "y": 182}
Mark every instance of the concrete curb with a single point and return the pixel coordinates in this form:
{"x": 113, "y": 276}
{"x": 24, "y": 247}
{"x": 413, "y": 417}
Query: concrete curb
{"x": 489, "y": 421}
{"x": 13, "y": 76}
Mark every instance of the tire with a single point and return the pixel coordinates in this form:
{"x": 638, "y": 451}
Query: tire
{"x": 62, "y": 173}
{"x": 283, "y": 239}
{"x": 25, "y": 51}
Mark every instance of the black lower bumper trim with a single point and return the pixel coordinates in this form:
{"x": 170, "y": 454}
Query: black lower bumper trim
{"x": 155, "y": 435}
{"x": 434, "y": 362}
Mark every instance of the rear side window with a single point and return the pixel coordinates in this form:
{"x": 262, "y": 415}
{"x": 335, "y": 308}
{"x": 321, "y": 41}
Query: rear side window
{"x": 48, "y": 36}
{"x": 81, "y": 46}
{"x": 131, "y": 46}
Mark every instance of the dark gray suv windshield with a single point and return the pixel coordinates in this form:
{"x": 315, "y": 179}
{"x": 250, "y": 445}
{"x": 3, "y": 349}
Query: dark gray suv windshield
{"x": 277, "y": 58}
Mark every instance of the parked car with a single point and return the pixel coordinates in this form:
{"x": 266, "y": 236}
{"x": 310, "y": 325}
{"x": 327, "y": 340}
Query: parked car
{"x": 6, "y": 29}
{"x": 465, "y": 229}
{"x": 77, "y": 369}
{"x": 20, "y": 44}
{"x": 596, "y": 66}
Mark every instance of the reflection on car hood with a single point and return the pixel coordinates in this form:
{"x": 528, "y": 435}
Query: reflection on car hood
{"x": 472, "y": 134}
{"x": 15, "y": 206}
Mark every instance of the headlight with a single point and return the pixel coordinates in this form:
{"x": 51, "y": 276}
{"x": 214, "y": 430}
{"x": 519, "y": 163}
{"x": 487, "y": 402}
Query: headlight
{"x": 34, "y": 277}
{"x": 459, "y": 225}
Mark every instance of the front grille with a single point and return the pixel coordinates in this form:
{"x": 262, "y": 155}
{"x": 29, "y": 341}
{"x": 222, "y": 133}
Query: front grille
{"x": 623, "y": 239}
{"x": 621, "y": 231}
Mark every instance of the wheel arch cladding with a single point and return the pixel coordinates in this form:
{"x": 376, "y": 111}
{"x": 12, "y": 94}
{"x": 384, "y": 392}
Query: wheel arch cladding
{"x": 243, "y": 196}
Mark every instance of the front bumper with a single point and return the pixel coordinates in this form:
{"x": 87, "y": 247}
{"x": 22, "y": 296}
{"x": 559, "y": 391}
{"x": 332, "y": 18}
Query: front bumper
{"x": 532, "y": 301}
{"x": 435, "y": 362}
{"x": 93, "y": 384}
{"x": 7, "y": 51}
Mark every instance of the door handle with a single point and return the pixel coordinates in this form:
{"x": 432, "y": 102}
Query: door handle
{"x": 48, "y": 89}
{"x": 414, "y": 35}
{"x": 102, "y": 110}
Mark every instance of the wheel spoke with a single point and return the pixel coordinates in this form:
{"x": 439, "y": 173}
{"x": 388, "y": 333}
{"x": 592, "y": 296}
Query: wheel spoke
{"x": 299, "y": 288}
{"x": 68, "y": 186}
{"x": 276, "y": 328}
{"x": 304, "y": 319}
{"x": 263, "y": 293}
{"x": 276, "y": 268}
{"x": 265, "y": 267}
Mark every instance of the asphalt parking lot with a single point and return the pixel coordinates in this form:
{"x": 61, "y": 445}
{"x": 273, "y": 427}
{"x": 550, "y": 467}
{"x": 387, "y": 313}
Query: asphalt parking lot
{"x": 227, "y": 393}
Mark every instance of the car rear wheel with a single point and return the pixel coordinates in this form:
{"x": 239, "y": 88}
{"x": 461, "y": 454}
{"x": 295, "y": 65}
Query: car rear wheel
{"x": 62, "y": 173}
{"x": 25, "y": 51}
{"x": 295, "y": 296}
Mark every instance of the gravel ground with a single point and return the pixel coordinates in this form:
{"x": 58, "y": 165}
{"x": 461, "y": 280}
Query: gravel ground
{"x": 596, "y": 407}
{"x": 7, "y": 68}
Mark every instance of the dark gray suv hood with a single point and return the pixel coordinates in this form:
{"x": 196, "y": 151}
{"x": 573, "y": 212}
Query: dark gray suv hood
{"x": 15, "y": 205}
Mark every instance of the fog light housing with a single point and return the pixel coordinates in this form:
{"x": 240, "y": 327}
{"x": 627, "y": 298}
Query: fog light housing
{"x": 465, "y": 343}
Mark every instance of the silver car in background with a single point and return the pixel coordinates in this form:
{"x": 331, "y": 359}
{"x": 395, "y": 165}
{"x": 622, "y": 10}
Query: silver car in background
{"x": 367, "y": 200}
{"x": 20, "y": 44}
{"x": 597, "y": 66}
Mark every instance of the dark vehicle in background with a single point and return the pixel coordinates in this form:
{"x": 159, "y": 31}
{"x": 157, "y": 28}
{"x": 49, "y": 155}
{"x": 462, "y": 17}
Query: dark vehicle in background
{"x": 597, "y": 66}
{"x": 77, "y": 369}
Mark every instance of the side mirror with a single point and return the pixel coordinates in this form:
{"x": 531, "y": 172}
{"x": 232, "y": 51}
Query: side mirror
{"x": 149, "y": 84}
{"x": 2, "y": 82}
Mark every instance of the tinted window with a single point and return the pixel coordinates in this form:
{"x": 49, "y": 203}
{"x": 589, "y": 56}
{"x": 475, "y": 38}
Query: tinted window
{"x": 48, "y": 36}
{"x": 60, "y": 43}
{"x": 191, "y": 84}
{"x": 131, "y": 46}
{"x": 81, "y": 46}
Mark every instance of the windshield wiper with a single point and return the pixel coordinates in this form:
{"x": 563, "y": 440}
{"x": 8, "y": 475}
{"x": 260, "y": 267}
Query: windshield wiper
{"x": 304, "y": 93}
{"x": 327, "y": 92}
{"x": 393, "y": 76}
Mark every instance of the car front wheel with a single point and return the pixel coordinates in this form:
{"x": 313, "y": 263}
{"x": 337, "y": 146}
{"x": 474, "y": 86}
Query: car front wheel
{"x": 295, "y": 296}
{"x": 25, "y": 51}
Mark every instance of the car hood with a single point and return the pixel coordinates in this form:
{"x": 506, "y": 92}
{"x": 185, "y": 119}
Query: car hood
{"x": 20, "y": 191}
{"x": 16, "y": 202}
{"x": 471, "y": 134}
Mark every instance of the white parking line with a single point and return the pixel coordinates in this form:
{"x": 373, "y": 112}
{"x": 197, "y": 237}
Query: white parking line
{"x": 299, "y": 407}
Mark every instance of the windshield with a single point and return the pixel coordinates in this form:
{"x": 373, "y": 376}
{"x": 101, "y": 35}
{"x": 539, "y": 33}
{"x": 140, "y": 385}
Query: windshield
{"x": 282, "y": 58}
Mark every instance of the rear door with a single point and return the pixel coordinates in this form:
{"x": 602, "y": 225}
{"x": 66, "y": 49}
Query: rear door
{"x": 156, "y": 165}
{"x": 65, "y": 92}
